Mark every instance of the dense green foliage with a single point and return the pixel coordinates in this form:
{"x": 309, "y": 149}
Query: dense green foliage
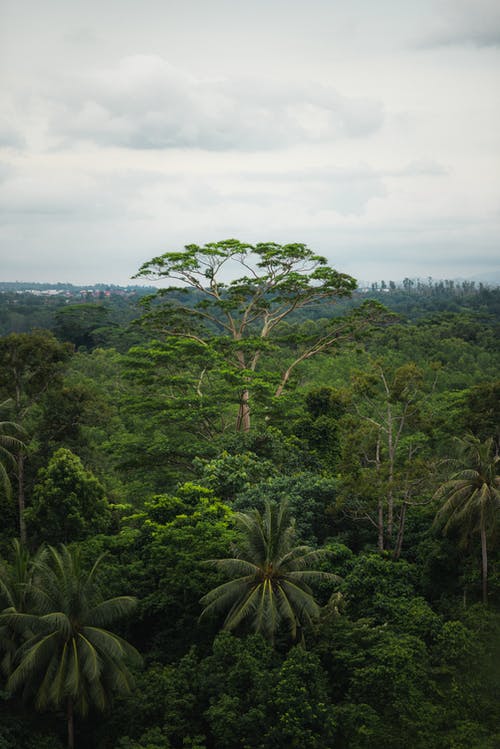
{"x": 372, "y": 619}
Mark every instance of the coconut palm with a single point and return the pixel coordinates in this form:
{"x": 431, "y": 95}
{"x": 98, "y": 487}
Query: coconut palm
{"x": 9, "y": 446}
{"x": 17, "y": 594}
{"x": 270, "y": 576}
{"x": 68, "y": 659}
{"x": 472, "y": 495}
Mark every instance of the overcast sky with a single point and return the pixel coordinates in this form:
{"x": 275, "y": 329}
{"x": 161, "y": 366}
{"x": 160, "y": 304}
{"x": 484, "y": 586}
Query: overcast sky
{"x": 368, "y": 129}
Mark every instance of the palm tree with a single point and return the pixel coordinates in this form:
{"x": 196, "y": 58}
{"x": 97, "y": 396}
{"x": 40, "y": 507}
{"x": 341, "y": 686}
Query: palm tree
{"x": 68, "y": 658}
{"x": 472, "y": 495}
{"x": 270, "y": 576}
{"x": 8, "y": 443}
{"x": 17, "y": 594}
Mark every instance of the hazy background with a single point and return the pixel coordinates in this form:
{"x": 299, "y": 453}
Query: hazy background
{"x": 368, "y": 130}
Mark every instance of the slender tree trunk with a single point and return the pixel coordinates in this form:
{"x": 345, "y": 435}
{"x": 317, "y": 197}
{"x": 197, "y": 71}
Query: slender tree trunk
{"x": 401, "y": 530}
{"x": 380, "y": 504}
{"x": 20, "y": 496}
{"x": 283, "y": 382}
{"x": 380, "y": 524}
{"x": 390, "y": 490}
{"x": 484, "y": 561}
{"x": 243, "y": 420}
{"x": 71, "y": 724}
{"x": 286, "y": 374}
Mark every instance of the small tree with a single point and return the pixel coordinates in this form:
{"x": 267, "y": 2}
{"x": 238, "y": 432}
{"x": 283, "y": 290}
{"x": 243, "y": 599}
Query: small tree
{"x": 69, "y": 503}
{"x": 382, "y": 456}
{"x": 32, "y": 364}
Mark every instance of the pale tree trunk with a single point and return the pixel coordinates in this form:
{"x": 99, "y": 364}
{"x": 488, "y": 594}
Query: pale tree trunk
{"x": 243, "y": 420}
{"x": 380, "y": 525}
{"x": 406, "y": 502}
{"x": 484, "y": 561}
{"x": 284, "y": 379}
{"x": 401, "y": 530}
{"x": 380, "y": 504}
{"x": 390, "y": 489}
{"x": 286, "y": 374}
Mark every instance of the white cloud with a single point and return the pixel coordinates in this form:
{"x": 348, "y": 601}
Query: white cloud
{"x": 316, "y": 122}
{"x": 144, "y": 102}
{"x": 475, "y": 22}
{"x": 10, "y": 136}
{"x": 421, "y": 168}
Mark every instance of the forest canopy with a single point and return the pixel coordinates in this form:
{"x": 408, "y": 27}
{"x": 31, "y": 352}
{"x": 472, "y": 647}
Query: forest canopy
{"x": 254, "y": 507}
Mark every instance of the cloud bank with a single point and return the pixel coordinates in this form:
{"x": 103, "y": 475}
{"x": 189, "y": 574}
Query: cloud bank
{"x": 475, "y": 22}
{"x": 144, "y": 102}
{"x": 370, "y": 131}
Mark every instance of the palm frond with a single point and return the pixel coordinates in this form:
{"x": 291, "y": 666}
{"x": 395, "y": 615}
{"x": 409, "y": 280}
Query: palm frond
{"x": 287, "y": 611}
{"x": 33, "y": 655}
{"x": 109, "y": 645}
{"x": 234, "y": 566}
{"x": 89, "y": 658}
{"x": 224, "y": 595}
{"x": 108, "y": 611}
{"x": 299, "y": 576}
{"x": 243, "y": 607}
{"x": 275, "y": 586}
{"x": 58, "y": 622}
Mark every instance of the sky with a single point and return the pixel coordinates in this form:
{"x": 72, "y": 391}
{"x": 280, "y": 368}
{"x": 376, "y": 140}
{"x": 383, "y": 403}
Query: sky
{"x": 368, "y": 130}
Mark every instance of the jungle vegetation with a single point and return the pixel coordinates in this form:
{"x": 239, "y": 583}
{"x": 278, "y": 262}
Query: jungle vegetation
{"x": 260, "y": 512}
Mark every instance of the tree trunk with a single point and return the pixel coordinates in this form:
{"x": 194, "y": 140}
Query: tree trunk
{"x": 484, "y": 561}
{"x": 380, "y": 504}
{"x": 71, "y": 724}
{"x": 243, "y": 420}
{"x": 380, "y": 524}
{"x": 390, "y": 494}
{"x": 20, "y": 496}
{"x": 283, "y": 382}
{"x": 401, "y": 530}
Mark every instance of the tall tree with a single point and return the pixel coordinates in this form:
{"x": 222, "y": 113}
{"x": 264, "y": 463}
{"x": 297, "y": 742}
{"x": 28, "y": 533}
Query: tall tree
{"x": 239, "y": 319}
{"x": 471, "y": 496}
{"x": 270, "y": 576}
{"x": 383, "y": 447}
{"x": 31, "y": 365}
{"x": 69, "y": 659}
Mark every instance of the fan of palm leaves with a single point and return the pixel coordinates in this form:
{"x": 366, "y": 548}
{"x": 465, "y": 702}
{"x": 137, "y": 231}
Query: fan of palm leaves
{"x": 67, "y": 654}
{"x": 9, "y": 445}
{"x": 270, "y": 576}
{"x": 471, "y": 497}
